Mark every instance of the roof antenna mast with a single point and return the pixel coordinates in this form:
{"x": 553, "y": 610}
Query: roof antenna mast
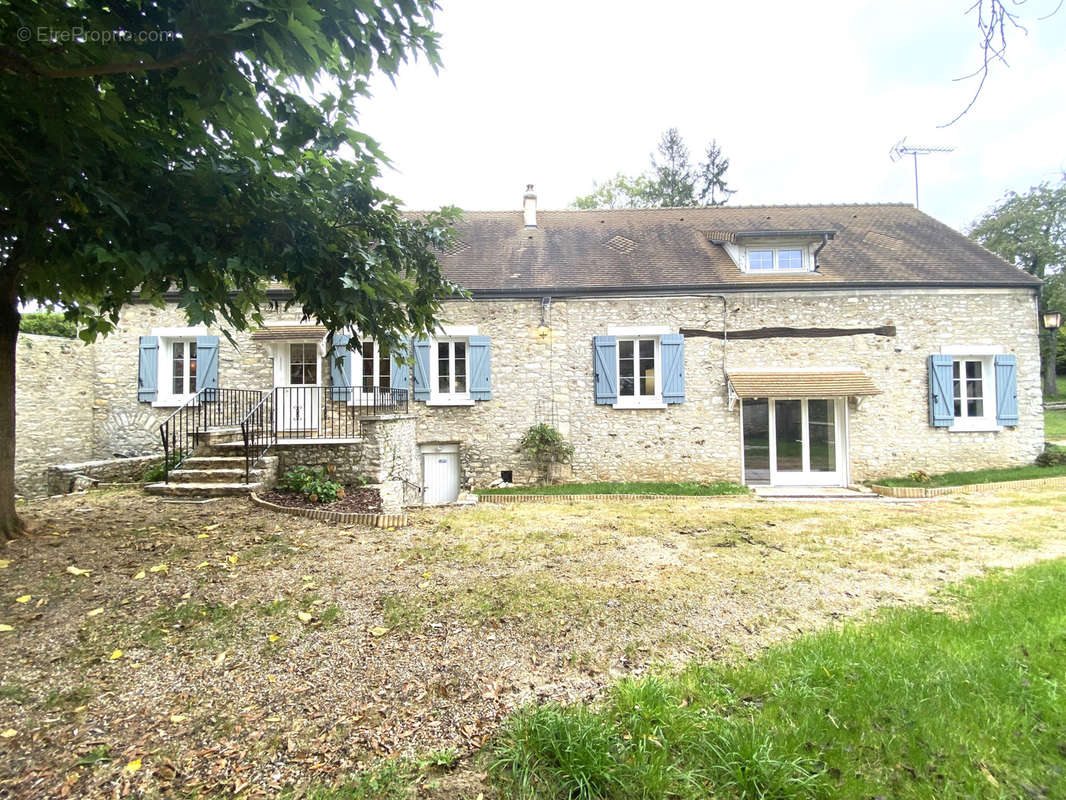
{"x": 901, "y": 149}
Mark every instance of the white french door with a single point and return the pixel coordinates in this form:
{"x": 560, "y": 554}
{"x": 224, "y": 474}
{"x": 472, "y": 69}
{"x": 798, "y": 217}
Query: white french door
{"x": 299, "y": 392}
{"x": 800, "y": 442}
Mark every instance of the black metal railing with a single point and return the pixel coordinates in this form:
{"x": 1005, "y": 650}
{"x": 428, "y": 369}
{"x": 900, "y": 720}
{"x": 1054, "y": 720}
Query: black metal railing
{"x": 313, "y": 412}
{"x": 207, "y": 409}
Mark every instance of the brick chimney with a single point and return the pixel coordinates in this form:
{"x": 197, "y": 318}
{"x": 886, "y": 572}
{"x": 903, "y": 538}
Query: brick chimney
{"x": 529, "y": 206}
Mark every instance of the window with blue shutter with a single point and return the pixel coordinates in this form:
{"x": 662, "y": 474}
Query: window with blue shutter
{"x": 605, "y": 369}
{"x": 672, "y": 346}
{"x": 148, "y": 369}
{"x": 340, "y": 368}
{"x": 1006, "y": 390}
{"x": 480, "y": 368}
{"x": 421, "y": 370}
{"x": 207, "y": 367}
{"x": 941, "y": 393}
{"x": 400, "y": 368}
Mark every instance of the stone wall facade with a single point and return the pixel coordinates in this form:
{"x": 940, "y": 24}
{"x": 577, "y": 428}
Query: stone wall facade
{"x": 540, "y": 376}
{"x": 537, "y": 378}
{"x": 53, "y": 407}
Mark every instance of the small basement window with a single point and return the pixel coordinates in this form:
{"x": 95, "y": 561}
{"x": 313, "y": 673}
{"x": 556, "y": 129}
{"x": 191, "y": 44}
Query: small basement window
{"x": 507, "y": 475}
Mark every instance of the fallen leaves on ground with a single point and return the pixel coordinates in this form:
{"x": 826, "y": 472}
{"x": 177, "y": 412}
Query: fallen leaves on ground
{"x": 332, "y": 648}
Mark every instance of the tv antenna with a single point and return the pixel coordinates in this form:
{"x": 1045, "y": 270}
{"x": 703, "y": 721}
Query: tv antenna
{"x": 901, "y": 149}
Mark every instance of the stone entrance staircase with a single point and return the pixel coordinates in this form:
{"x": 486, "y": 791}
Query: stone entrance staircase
{"x": 216, "y": 469}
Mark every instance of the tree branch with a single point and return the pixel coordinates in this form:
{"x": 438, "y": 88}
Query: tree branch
{"x": 15, "y": 62}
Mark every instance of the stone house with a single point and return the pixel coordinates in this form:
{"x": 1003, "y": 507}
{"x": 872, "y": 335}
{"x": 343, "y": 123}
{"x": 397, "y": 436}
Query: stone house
{"x": 782, "y": 345}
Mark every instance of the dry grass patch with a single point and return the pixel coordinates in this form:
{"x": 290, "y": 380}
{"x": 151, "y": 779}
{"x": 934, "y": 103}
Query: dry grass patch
{"x": 255, "y": 647}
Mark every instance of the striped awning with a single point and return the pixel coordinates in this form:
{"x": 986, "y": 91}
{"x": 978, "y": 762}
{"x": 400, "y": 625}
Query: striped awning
{"x": 784, "y": 384}
{"x": 274, "y": 333}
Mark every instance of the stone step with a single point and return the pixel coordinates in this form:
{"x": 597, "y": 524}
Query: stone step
{"x": 220, "y": 449}
{"x": 214, "y": 475}
{"x": 201, "y": 489}
{"x": 213, "y": 462}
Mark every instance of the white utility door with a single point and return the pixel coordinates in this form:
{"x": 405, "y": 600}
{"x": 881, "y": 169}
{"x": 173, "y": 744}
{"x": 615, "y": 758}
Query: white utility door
{"x": 440, "y": 473}
{"x": 299, "y": 399}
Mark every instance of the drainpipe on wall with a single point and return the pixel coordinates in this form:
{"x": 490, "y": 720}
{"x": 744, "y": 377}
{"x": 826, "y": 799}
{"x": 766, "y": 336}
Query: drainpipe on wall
{"x": 725, "y": 333}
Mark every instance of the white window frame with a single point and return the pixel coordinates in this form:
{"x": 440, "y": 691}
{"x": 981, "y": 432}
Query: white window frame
{"x": 635, "y": 333}
{"x": 776, "y": 250}
{"x": 987, "y": 356}
{"x": 449, "y": 334}
{"x": 357, "y": 366}
{"x": 164, "y": 381}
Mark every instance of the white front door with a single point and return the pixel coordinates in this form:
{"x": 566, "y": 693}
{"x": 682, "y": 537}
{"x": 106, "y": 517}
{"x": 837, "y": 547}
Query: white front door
{"x": 801, "y": 442}
{"x": 299, "y": 399}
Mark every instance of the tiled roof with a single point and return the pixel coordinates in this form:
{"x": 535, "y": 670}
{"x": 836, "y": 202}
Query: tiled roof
{"x": 671, "y": 248}
{"x": 831, "y": 383}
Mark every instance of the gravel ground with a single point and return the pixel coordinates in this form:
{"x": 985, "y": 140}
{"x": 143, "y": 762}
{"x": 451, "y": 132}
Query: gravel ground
{"x": 230, "y": 650}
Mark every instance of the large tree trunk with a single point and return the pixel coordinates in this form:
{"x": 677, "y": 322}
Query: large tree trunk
{"x": 10, "y": 524}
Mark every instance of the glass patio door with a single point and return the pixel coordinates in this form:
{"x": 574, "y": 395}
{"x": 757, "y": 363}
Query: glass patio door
{"x": 794, "y": 442}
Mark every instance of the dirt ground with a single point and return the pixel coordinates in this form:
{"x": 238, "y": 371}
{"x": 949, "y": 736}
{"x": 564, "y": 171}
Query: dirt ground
{"x": 153, "y": 649}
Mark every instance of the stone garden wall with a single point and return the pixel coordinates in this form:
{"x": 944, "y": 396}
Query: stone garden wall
{"x": 53, "y": 407}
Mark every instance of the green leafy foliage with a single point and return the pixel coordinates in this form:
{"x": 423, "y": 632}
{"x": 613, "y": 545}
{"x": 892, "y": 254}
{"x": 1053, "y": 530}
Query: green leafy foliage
{"x": 545, "y": 446}
{"x": 1053, "y": 456}
{"x": 48, "y": 324}
{"x": 155, "y": 472}
{"x": 313, "y": 483}
{"x": 672, "y": 180}
{"x": 914, "y": 704}
{"x": 189, "y": 155}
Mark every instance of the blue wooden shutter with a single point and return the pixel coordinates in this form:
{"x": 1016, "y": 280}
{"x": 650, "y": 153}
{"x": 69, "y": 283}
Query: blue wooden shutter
{"x": 148, "y": 369}
{"x": 1006, "y": 390}
{"x": 941, "y": 393}
{"x": 400, "y": 369}
{"x": 605, "y": 369}
{"x": 480, "y": 368}
{"x": 672, "y": 350}
{"x": 421, "y": 376}
{"x": 340, "y": 368}
{"x": 207, "y": 366}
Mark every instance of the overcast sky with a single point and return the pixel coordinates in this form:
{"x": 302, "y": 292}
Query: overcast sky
{"x": 805, "y": 99}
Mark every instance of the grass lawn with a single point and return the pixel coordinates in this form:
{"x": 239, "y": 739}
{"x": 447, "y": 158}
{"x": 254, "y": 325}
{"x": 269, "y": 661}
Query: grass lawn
{"x": 221, "y": 647}
{"x": 977, "y": 476}
{"x": 679, "y": 489}
{"x": 919, "y": 703}
{"x": 1055, "y": 426}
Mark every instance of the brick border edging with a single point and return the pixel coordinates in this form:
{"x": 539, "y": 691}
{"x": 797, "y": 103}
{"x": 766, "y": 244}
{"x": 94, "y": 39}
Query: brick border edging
{"x": 970, "y": 488}
{"x": 572, "y": 498}
{"x": 345, "y": 517}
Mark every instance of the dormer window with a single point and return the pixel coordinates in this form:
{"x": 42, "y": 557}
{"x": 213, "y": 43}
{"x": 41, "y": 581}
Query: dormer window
{"x": 783, "y": 259}
{"x": 759, "y": 252}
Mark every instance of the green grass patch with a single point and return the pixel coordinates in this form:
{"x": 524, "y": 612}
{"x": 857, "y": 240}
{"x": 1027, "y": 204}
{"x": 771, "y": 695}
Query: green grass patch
{"x": 977, "y": 476}
{"x": 679, "y": 489}
{"x": 915, "y": 704}
{"x": 1055, "y": 426}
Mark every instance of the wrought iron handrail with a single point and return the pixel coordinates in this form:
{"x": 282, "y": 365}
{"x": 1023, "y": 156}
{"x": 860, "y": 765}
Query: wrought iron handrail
{"x": 259, "y": 431}
{"x": 313, "y": 412}
{"x": 208, "y": 408}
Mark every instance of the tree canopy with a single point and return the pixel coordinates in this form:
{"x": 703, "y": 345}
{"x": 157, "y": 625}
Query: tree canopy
{"x": 671, "y": 181}
{"x": 1029, "y": 230}
{"x": 208, "y": 149}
